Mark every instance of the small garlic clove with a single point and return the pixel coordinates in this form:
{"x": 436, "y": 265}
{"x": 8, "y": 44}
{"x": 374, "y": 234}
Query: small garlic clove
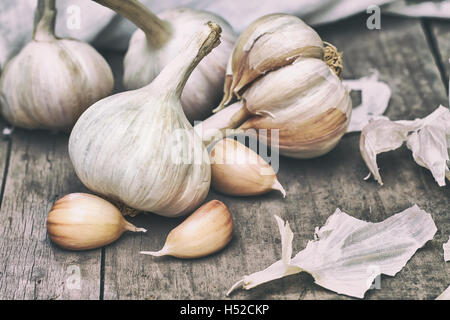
{"x": 208, "y": 230}
{"x": 80, "y": 221}
{"x": 239, "y": 171}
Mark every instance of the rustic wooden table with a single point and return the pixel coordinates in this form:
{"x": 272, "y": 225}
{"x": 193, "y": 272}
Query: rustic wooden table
{"x": 412, "y": 57}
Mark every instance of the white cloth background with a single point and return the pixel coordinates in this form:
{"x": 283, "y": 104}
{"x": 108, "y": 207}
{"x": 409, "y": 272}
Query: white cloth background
{"x": 105, "y": 29}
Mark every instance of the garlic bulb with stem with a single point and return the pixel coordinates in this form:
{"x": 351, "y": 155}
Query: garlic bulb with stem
{"x": 160, "y": 38}
{"x": 301, "y": 95}
{"x": 138, "y": 147}
{"x": 208, "y": 230}
{"x": 239, "y": 171}
{"x": 52, "y": 81}
{"x": 80, "y": 221}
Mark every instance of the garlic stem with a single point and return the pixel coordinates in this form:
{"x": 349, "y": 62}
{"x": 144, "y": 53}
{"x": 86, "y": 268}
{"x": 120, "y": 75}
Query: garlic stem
{"x": 156, "y": 30}
{"x": 44, "y": 21}
{"x": 131, "y": 227}
{"x": 174, "y": 76}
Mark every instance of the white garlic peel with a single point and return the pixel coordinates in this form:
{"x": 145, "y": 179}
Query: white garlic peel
{"x": 444, "y": 295}
{"x": 137, "y": 147}
{"x": 375, "y": 96}
{"x": 208, "y": 230}
{"x": 239, "y": 171}
{"x": 160, "y": 38}
{"x": 446, "y": 247}
{"x": 427, "y": 138}
{"x": 348, "y": 254}
{"x": 52, "y": 81}
{"x": 80, "y": 221}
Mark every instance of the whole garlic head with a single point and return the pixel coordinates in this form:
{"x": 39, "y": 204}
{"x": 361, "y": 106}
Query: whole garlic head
{"x": 160, "y": 38}
{"x": 52, "y": 81}
{"x": 285, "y": 80}
{"x": 138, "y": 147}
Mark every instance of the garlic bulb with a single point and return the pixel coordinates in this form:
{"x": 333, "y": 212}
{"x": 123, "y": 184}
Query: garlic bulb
{"x": 239, "y": 171}
{"x": 285, "y": 81}
{"x": 160, "y": 38}
{"x": 208, "y": 230}
{"x": 52, "y": 81}
{"x": 137, "y": 147}
{"x": 80, "y": 221}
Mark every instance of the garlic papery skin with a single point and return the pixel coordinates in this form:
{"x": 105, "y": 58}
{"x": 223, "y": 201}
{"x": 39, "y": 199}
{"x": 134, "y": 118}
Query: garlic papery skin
{"x": 138, "y": 147}
{"x": 239, "y": 171}
{"x": 52, "y": 81}
{"x": 80, "y": 221}
{"x": 304, "y": 101}
{"x": 208, "y": 230}
{"x": 268, "y": 43}
{"x": 160, "y": 38}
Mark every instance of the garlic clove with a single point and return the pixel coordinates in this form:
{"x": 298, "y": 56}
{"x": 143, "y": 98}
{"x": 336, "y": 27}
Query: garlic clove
{"x": 52, "y": 81}
{"x": 138, "y": 147}
{"x": 80, "y": 221}
{"x": 208, "y": 230}
{"x": 270, "y": 42}
{"x": 239, "y": 171}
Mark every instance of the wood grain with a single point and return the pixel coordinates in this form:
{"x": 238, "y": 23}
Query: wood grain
{"x": 440, "y": 31}
{"x": 315, "y": 188}
{"x": 31, "y": 267}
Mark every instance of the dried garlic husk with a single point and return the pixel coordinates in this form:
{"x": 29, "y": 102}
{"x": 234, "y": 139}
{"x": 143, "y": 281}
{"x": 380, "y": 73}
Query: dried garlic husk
{"x": 52, "y": 81}
{"x": 427, "y": 138}
{"x": 446, "y": 247}
{"x": 444, "y": 295}
{"x": 208, "y": 230}
{"x": 286, "y": 81}
{"x": 239, "y": 171}
{"x": 137, "y": 147}
{"x": 160, "y": 38}
{"x": 80, "y": 221}
{"x": 347, "y": 254}
{"x": 375, "y": 96}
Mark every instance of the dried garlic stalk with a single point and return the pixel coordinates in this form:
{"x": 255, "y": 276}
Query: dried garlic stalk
{"x": 428, "y": 139}
{"x": 347, "y": 254}
{"x": 446, "y": 247}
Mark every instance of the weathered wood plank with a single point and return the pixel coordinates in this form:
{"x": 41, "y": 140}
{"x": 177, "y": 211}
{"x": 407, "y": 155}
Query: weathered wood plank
{"x": 441, "y": 31}
{"x": 31, "y": 267}
{"x": 315, "y": 189}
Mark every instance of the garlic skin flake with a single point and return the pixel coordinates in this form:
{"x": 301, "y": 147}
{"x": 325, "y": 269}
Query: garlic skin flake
{"x": 138, "y": 147}
{"x": 446, "y": 247}
{"x": 427, "y": 138}
{"x": 444, "y": 295}
{"x": 158, "y": 41}
{"x": 375, "y": 96}
{"x": 347, "y": 254}
{"x": 52, "y": 81}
